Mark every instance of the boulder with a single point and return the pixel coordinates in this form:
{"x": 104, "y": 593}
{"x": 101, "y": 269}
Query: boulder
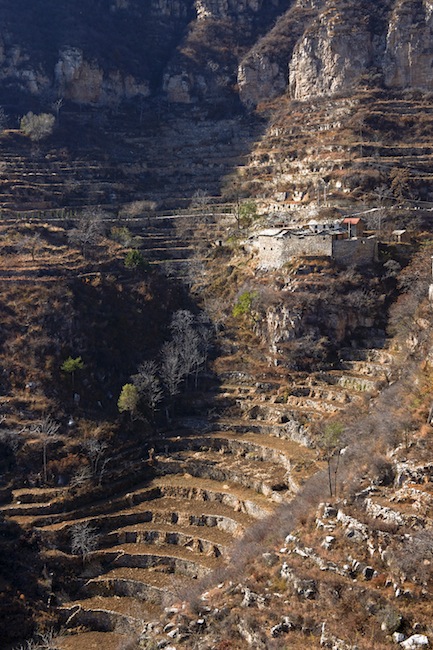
{"x": 415, "y": 641}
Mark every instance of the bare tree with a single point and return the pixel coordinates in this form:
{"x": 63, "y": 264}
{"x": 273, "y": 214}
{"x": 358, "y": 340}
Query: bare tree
{"x": 202, "y": 203}
{"x": 84, "y": 539}
{"x": 148, "y": 384}
{"x": 48, "y": 640}
{"x": 47, "y": 431}
{"x": 30, "y": 243}
{"x": 88, "y": 230}
{"x": 200, "y": 199}
{"x": 37, "y": 127}
{"x": 82, "y": 476}
{"x": 190, "y": 341}
{"x": 172, "y": 370}
{"x": 137, "y": 209}
{"x": 186, "y": 340}
{"x": 382, "y": 193}
{"x": 195, "y": 271}
{"x": 56, "y": 106}
{"x": 205, "y": 334}
{"x": 215, "y": 309}
{"x": 95, "y": 450}
{"x": 330, "y": 443}
{"x": 185, "y": 354}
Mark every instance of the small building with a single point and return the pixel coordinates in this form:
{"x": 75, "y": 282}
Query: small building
{"x": 276, "y": 246}
{"x": 355, "y": 226}
{"x": 401, "y": 236}
{"x": 272, "y": 247}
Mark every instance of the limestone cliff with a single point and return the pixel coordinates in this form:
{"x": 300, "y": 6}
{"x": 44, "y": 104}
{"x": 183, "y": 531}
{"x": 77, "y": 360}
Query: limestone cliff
{"x": 85, "y": 82}
{"x": 306, "y": 48}
{"x": 408, "y": 59}
{"x": 340, "y": 46}
{"x": 214, "y": 50}
{"x": 112, "y": 51}
{"x": 332, "y": 54}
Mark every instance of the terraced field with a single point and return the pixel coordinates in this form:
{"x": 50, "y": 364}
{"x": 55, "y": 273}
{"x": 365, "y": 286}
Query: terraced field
{"x": 163, "y": 160}
{"x": 333, "y": 150}
{"x": 204, "y": 484}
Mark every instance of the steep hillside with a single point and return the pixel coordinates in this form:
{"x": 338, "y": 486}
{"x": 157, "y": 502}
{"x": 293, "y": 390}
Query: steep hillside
{"x": 345, "y": 562}
{"x": 154, "y": 101}
{"x": 125, "y": 517}
{"x": 196, "y": 452}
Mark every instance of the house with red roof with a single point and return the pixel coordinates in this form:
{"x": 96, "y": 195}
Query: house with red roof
{"x": 355, "y": 226}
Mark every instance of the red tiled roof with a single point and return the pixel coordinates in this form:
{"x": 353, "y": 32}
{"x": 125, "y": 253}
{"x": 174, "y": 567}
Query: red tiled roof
{"x": 352, "y": 220}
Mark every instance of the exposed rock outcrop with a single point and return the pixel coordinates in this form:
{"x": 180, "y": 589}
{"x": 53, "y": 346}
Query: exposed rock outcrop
{"x": 332, "y": 55}
{"x": 226, "y": 8}
{"x": 408, "y": 57}
{"x": 85, "y": 82}
{"x": 282, "y": 324}
{"x": 102, "y": 55}
{"x": 324, "y": 50}
{"x": 217, "y": 49}
{"x": 260, "y": 78}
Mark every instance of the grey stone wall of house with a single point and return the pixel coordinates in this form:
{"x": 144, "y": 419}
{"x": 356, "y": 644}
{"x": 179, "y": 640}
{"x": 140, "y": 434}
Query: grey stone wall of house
{"x": 276, "y": 251}
{"x": 273, "y": 252}
{"x": 312, "y": 245}
{"x": 355, "y": 251}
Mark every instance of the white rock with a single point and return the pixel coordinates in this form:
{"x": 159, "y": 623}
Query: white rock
{"x": 398, "y": 637}
{"x": 415, "y": 641}
{"x": 328, "y": 542}
{"x": 168, "y": 627}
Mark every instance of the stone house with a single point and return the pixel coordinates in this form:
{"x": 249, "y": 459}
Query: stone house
{"x": 401, "y": 236}
{"x": 355, "y": 226}
{"x": 276, "y": 246}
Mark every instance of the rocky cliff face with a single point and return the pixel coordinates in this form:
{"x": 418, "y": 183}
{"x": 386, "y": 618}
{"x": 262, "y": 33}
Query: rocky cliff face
{"x": 215, "y": 49}
{"x": 85, "y": 82}
{"x": 306, "y": 48}
{"x": 408, "y": 58}
{"x": 114, "y": 51}
{"x": 341, "y": 45}
{"x": 332, "y": 54}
